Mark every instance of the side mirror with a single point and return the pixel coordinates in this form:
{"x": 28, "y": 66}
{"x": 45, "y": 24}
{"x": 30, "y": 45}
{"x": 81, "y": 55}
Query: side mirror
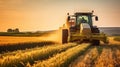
{"x": 68, "y": 18}
{"x": 96, "y": 18}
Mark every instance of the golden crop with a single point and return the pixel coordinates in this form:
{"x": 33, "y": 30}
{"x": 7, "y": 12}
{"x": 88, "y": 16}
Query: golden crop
{"x": 19, "y": 58}
{"x": 62, "y": 59}
{"x": 63, "y": 55}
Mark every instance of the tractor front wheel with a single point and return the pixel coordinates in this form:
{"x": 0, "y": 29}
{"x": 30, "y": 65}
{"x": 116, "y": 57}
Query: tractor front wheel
{"x": 95, "y": 42}
{"x": 64, "y": 36}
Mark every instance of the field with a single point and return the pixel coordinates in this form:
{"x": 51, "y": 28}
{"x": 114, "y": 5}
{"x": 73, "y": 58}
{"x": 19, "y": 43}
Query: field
{"x": 100, "y": 56}
{"x": 50, "y": 54}
{"x": 10, "y": 39}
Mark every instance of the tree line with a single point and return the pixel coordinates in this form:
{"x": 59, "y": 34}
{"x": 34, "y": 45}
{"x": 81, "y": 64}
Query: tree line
{"x": 13, "y": 30}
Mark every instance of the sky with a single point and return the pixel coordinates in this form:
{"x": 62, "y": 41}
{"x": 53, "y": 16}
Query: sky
{"x": 40, "y": 15}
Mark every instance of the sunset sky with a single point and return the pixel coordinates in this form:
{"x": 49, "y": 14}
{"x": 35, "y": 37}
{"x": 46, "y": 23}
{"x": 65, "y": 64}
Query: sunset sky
{"x": 34, "y": 15}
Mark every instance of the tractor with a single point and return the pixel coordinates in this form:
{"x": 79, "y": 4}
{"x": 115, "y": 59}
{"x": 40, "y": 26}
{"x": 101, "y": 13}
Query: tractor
{"x": 79, "y": 28}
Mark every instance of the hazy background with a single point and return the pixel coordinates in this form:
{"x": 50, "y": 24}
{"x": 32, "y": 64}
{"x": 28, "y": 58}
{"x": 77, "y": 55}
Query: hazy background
{"x": 34, "y": 15}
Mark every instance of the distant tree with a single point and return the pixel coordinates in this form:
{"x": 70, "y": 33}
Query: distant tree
{"x": 13, "y": 30}
{"x": 16, "y": 30}
{"x": 9, "y": 30}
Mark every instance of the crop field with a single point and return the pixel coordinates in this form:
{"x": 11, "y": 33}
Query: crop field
{"x": 100, "y": 56}
{"x": 12, "y": 40}
{"x": 51, "y": 54}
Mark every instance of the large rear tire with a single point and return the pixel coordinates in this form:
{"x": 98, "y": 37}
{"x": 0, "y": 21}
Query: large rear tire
{"x": 95, "y": 42}
{"x": 95, "y": 30}
{"x": 64, "y": 36}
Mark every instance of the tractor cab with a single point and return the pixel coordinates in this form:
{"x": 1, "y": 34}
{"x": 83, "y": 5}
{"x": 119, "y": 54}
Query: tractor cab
{"x": 79, "y": 17}
{"x": 79, "y": 27}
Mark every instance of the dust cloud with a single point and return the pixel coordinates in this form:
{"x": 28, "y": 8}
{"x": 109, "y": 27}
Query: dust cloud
{"x": 54, "y": 36}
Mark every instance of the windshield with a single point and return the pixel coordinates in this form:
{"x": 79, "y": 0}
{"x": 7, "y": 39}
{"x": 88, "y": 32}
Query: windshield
{"x": 82, "y": 19}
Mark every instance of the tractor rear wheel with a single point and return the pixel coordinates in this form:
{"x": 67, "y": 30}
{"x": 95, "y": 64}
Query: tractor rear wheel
{"x": 64, "y": 36}
{"x": 95, "y": 42}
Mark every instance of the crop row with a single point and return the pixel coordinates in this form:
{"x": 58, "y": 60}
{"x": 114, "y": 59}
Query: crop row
{"x": 86, "y": 60}
{"x": 102, "y": 60}
{"x": 63, "y": 59}
{"x": 22, "y": 46}
{"x": 21, "y": 59}
{"x": 100, "y": 56}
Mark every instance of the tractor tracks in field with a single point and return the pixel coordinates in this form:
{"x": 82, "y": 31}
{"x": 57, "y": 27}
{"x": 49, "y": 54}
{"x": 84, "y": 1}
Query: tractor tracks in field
{"x": 99, "y": 56}
{"x": 110, "y": 57}
{"x": 86, "y": 60}
{"x": 117, "y": 57}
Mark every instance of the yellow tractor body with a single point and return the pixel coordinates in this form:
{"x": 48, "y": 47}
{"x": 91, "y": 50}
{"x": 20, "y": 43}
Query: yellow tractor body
{"x": 79, "y": 28}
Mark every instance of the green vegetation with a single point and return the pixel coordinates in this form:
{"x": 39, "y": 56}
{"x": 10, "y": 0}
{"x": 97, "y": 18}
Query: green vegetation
{"x": 21, "y": 58}
{"x": 63, "y": 59}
